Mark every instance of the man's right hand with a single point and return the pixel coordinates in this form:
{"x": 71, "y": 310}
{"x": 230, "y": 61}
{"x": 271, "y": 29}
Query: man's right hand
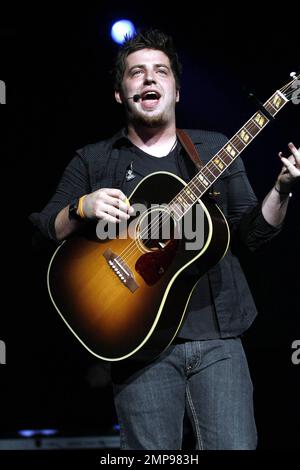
{"x": 107, "y": 204}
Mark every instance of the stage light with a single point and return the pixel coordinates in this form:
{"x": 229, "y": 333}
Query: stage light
{"x": 120, "y": 29}
{"x": 37, "y": 432}
{"x": 27, "y": 432}
{"x": 48, "y": 432}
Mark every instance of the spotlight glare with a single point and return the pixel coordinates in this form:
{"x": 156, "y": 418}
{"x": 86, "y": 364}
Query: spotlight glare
{"x": 120, "y": 29}
{"x": 26, "y": 432}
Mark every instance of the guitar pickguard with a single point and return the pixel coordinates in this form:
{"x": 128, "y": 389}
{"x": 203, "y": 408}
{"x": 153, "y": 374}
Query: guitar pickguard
{"x": 152, "y": 266}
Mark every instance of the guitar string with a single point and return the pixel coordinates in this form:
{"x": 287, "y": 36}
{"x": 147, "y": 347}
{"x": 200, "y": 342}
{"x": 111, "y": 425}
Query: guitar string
{"x": 204, "y": 171}
{"x": 160, "y": 219}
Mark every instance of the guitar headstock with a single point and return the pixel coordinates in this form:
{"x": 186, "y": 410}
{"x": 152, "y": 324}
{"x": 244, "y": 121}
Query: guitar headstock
{"x": 291, "y": 91}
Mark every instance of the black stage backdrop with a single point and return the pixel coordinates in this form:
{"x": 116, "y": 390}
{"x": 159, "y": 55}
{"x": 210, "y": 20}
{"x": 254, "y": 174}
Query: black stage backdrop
{"x": 55, "y": 63}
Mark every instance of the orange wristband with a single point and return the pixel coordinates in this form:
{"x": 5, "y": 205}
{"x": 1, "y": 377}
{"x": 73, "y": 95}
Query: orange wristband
{"x": 80, "y": 211}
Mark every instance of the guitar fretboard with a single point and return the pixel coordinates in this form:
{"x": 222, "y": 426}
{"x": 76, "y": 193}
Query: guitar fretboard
{"x": 210, "y": 172}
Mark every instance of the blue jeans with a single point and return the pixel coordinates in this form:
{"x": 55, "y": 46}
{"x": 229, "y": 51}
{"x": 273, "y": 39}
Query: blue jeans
{"x": 209, "y": 380}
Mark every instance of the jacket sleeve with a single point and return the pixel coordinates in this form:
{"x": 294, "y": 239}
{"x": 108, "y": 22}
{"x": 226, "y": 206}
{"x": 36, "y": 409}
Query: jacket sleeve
{"x": 73, "y": 184}
{"x": 245, "y": 217}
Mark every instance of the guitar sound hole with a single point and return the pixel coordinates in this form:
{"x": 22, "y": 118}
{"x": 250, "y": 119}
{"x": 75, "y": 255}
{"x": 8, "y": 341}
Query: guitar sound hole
{"x": 156, "y": 229}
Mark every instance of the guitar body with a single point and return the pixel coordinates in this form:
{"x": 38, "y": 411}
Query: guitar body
{"x": 126, "y": 297}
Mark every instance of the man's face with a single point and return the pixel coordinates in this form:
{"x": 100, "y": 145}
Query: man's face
{"x": 148, "y": 73}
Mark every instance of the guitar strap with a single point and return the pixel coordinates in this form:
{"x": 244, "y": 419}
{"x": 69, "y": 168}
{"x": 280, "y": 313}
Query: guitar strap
{"x": 190, "y": 148}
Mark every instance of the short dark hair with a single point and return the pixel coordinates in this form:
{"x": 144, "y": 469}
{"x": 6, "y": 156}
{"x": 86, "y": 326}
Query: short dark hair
{"x": 146, "y": 39}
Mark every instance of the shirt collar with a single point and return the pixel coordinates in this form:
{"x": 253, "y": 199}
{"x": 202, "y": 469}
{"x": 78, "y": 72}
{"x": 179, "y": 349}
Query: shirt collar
{"x": 120, "y": 138}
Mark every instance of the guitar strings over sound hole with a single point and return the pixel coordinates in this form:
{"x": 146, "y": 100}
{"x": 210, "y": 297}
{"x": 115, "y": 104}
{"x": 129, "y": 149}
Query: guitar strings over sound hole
{"x": 155, "y": 229}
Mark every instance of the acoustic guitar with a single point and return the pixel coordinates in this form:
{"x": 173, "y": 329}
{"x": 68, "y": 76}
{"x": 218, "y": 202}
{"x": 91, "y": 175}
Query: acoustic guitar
{"x": 126, "y": 296}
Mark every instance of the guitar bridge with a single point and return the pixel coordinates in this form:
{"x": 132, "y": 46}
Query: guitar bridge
{"x": 120, "y": 269}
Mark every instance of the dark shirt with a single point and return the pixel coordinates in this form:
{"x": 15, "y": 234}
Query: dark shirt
{"x": 200, "y": 318}
{"x": 101, "y": 165}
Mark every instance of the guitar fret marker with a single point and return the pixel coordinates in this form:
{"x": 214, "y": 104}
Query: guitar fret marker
{"x": 203, "y": 180}
{"x": 230, "y": 150}
{"x": 218, "y": 162}
{"x": 190, "y": 194}
{"x": 260, "y": 119}
{"x": 244, "y": 136}
{"x": 277, "y": 100}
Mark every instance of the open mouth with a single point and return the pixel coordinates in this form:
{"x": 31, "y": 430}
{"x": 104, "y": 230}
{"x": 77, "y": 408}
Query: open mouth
{"x": 150, "y": 96}
{"x": 150, "y": 99}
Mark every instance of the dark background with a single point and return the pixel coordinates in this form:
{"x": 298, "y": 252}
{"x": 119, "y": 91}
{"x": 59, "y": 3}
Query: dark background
{"x": 56, "y": 63}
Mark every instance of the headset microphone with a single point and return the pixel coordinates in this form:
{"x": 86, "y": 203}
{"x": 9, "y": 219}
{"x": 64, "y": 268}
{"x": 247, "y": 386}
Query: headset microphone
{"x": 135, "y": 98}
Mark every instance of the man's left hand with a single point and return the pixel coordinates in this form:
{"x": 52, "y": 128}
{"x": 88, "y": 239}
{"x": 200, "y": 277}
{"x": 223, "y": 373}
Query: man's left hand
{"x": 290, "y": 172}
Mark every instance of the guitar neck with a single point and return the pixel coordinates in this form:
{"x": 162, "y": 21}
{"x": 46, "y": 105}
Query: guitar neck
{"x": 210, "y": 172}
